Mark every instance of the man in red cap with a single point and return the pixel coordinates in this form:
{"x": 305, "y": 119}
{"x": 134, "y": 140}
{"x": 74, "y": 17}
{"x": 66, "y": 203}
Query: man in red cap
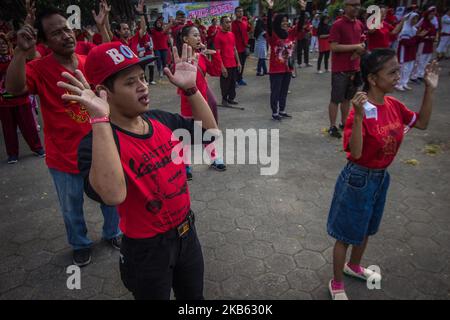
{"x": 126, "y": 161}
{"x": 65, "y": 122}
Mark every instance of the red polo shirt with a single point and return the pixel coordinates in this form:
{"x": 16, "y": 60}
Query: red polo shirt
{"x": 346, "y": 31}
{"x": 226, "y": 42}
{"x": 381, "y": 38}
{"x": 240, "y": 30}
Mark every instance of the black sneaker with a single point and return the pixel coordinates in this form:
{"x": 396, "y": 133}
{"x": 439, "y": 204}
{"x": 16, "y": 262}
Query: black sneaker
{"x": 341, "y": 126}
{"x": 188, "y": 173}
{"x": 13, "y": 159}
{"x": 225, "y": 103}
{"x": 82, "y": 257}
{"x": 285, "y": 115}
{"x": 218, "y": 166}
{"x": 40, "y": 153}
{"x": 232, "y": 102}
{"x": 276, "y": 117}
{"x": 115, "y": 242}
{"x": 334, "y": 132}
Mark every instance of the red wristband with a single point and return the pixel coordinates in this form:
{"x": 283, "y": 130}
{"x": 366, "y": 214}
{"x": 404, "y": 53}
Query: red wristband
{"x": 190, "y": 92}
{"x": 99, "y": 120}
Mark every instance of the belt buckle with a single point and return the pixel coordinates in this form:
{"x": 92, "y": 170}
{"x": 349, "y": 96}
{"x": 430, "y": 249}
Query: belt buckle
{"x": 183, "y": 228}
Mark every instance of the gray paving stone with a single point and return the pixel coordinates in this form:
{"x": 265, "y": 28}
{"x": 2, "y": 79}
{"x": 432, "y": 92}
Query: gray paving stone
{"x": 309, "y": 260}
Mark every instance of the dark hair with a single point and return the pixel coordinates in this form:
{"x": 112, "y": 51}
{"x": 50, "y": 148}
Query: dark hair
{"x": 43, "y": 14}
{"x": 223, "y": 18}
{"x": 280, "y": 32}
{"x": 259, "y": 28}
{"x": 238, "y": 8}
{"x": 184, "y": 32}
{"x": 373, "y": 63}
{"x": 109, "y": 82}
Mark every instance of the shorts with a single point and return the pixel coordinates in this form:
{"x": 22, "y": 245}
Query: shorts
{"x": 358, "y": 203}
{"x": 343, "y": 86}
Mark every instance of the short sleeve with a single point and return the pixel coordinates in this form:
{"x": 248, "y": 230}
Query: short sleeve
{"x": 335, "y": 34}
{"x": 409, "y": 117}
{"x": 84, "y": 165}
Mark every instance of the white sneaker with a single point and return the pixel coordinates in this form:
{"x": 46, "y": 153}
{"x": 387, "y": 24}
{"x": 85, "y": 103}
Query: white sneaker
{"x": 407, "y": 87}
{"x": 319, "y": 72}
{"x": 399, "y": 88}
{"x": 367, "y": 273}
{"x": 337, "y": 294}
{"x": 153, "y": 83}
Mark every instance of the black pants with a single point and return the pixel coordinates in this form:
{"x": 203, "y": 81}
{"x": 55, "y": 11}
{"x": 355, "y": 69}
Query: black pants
{"x": 242, "y": 59}
{"x": 325, "y": 56}
{"x": 303, "y": 50}
{"x": 279, "y": 87}
{"x": 150, "y": 267}
{"x": 228, "y": 85}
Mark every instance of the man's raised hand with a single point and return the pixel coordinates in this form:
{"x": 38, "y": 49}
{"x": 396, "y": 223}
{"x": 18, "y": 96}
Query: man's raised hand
{"x": 185, "y": 74}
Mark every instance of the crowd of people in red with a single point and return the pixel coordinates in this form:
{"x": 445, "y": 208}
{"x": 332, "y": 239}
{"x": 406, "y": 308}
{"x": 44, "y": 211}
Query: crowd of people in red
{"x": 102, "y": 139}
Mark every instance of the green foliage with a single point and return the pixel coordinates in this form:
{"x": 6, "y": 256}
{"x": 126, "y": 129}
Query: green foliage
{"x": 333, "y": 9}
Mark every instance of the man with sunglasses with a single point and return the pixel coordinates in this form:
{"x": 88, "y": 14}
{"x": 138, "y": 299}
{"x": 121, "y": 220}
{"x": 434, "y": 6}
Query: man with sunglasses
{"x": 347, "y": 45}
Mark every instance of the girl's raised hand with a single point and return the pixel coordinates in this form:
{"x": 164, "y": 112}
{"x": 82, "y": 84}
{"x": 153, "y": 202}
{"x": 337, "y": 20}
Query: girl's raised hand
{"x": 432, "y": 75}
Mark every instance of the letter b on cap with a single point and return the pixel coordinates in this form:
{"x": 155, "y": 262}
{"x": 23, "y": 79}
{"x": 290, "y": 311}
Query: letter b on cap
{"x": 119, "y": 57}
{"x": 116, "y": 56}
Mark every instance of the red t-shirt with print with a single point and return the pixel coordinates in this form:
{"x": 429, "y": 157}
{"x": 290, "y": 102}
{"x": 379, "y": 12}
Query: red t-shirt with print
{"x": 65, "y": 123}
{"x": 157, "y": 191}
{"x": 383, "y": 135}
{"x": 281, "y": 50}
{"x": 346, "y": 31}
{"x": 226, "y": 42}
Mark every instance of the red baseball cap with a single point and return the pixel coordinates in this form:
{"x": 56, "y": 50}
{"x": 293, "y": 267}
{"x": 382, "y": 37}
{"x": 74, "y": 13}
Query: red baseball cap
{"x": 109, "y": 58}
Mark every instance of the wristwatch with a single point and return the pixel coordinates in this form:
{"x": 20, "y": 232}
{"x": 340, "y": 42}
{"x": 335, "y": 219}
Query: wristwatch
{"x": 190, "y": 92}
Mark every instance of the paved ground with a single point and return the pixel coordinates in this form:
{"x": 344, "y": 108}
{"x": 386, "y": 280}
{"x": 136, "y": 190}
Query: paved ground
{"x": 263, "y": 237}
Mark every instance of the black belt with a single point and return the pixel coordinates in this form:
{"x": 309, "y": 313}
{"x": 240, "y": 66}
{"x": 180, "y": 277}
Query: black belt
{"x": 181, "y": 231}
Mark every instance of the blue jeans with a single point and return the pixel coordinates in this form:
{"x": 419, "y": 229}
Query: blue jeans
{"x": 262, "y": 68}
{"x": 162, "y": 59}
{"x": 69, "y": 188}
{"x": 358, "y": 203}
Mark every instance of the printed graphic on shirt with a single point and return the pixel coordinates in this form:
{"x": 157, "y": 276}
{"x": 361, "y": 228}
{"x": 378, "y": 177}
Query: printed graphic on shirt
{"x": 284, "y": 51}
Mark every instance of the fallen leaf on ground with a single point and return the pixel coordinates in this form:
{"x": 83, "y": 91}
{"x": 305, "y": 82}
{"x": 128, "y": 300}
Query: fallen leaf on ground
{"x": 432, "y": 149}
{"x": 412, "y": 162}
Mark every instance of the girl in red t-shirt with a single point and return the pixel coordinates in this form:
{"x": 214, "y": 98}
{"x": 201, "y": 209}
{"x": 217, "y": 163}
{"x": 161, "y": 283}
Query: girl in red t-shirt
{"x": 281, "y": 39}
{"x": 209, "y": 62}
{"x": 372, "y": 136}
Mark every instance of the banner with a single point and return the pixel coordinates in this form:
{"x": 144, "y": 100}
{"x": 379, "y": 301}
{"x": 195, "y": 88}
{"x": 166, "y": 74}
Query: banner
{"x": 203, "y": 10}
